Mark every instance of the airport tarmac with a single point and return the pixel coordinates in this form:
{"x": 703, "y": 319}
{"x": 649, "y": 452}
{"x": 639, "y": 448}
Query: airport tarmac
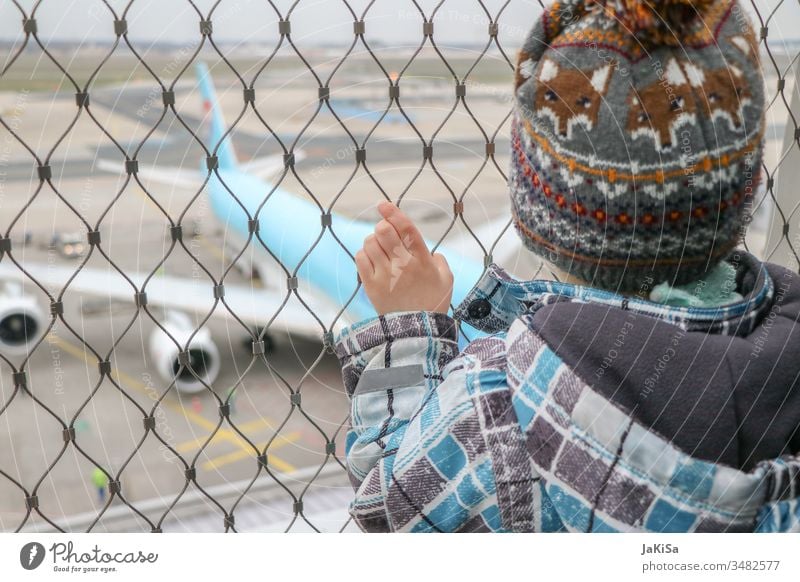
{"x": 107, "y": 416}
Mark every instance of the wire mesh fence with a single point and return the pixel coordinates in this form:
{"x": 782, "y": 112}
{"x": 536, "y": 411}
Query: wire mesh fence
{"x": 347, "y": 117}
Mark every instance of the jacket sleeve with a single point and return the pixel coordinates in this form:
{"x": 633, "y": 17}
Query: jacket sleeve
{"x": 411, "y": 450}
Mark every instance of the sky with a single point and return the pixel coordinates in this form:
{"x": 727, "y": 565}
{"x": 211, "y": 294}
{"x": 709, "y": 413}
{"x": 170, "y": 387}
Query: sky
{"x": 313, "y": 21}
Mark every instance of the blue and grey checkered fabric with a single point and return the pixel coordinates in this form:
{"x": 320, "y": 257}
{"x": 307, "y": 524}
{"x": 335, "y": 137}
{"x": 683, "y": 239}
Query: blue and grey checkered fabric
{"x": 510, "y": 298}
{"x": 504, "y": 436}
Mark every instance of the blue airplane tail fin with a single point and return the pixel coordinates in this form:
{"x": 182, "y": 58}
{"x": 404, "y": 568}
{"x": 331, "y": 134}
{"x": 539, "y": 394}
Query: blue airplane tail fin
{"x": 225, "y": 152}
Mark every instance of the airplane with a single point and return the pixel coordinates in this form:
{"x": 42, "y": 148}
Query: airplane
{"x": 288, "y": 225}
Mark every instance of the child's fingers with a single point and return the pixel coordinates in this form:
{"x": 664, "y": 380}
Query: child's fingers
{"x": 380, "y": 261}
{"x": 406, "y": 230}
{"x": 390, "y": 241}
{"x": 364, "y": 265}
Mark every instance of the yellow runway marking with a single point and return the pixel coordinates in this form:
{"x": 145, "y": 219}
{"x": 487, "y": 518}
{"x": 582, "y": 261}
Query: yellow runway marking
{"x": 254, "y": 424}
{"x": 273, "y": 461}
{"x": 195, "y": 418}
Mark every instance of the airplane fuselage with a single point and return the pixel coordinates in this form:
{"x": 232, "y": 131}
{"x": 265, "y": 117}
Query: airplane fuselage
{"x": 292, "y": 229}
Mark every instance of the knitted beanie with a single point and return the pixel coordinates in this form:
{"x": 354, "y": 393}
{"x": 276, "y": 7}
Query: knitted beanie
{"x": 636, "y": 138}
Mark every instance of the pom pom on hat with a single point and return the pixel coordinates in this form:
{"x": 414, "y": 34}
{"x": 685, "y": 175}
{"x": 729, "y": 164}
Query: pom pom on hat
{"x": 654, "y": 22}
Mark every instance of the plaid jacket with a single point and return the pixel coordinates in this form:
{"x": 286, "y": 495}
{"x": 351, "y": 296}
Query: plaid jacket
{"x": 581, "y": 411}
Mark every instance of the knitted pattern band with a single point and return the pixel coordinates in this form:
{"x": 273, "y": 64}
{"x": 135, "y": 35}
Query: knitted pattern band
{"x": 636, "y": 138}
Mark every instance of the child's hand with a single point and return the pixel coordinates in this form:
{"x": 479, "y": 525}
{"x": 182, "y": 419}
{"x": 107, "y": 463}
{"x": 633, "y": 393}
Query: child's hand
{"x": 398, "y": 271}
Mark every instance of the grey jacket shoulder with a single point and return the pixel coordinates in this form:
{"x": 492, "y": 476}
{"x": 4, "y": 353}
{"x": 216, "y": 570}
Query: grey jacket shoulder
{"x": 731, "y": 398}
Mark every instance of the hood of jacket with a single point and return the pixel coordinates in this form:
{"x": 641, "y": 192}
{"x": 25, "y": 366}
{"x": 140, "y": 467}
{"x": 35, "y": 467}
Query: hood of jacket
{"x": 702, "y": 405}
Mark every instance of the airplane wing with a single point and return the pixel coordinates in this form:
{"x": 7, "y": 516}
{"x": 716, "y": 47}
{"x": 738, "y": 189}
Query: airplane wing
{"x": 265, "y": 168}
{"x": 254, "y": 306}
{"x": 268, "y": 167}
{"x": 168, "y": 175}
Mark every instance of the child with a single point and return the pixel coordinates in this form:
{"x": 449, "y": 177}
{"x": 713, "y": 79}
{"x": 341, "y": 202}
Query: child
{"x": 657, "y": 391}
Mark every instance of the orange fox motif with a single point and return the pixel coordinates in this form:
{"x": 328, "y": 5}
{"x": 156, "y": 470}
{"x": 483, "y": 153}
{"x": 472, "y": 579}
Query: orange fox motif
{"x": 684, "y": 91}
{"x": 570, "y": 96}
{"x": 657, "y": 107}
{"x": 724, "y": 93}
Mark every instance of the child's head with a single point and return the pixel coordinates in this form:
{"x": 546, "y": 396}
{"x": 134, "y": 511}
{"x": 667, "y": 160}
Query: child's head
{"x": 636, "y": 138}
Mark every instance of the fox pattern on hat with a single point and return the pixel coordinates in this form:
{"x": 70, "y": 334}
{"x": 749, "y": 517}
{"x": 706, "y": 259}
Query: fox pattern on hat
{"x": 636, "y": 140}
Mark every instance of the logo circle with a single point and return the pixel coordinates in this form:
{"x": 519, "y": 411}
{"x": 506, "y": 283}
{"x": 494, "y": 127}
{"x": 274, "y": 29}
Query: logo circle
{"x": 31, "y": 555}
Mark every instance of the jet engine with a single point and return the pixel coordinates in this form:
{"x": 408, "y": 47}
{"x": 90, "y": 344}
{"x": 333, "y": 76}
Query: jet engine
{"x": 21, "y": 323}
{"x": 203, "y": 355}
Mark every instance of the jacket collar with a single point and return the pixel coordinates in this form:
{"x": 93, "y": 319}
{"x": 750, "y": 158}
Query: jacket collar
{"x": 498, "y": 299}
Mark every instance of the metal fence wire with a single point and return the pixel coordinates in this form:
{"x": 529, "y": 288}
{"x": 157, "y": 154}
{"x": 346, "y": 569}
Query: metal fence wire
{"x": 32, "y": 488}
